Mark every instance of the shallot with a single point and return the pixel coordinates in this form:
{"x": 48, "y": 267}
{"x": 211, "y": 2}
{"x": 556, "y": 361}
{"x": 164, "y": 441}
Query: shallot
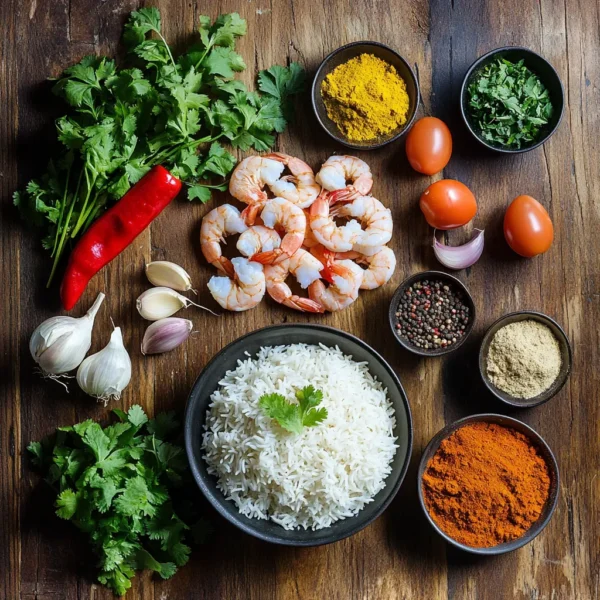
{"x": 459, "y": 257}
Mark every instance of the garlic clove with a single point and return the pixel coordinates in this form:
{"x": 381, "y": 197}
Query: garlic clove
{"x": 107, "y": 373}
{"x": 59, "y": 344}
{"x": 165, "y": 335}
{"x": 165, "y": 273}
{"x": 162, "y": 302}
{"x": 159, "y": 303}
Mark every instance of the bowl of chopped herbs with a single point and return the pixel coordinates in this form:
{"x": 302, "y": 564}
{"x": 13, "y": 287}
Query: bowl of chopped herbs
{"x": 512, "y": 100}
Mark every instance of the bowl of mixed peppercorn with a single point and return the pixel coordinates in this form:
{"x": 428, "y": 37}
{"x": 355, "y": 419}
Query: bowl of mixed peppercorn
{"x": 432, "y": 313}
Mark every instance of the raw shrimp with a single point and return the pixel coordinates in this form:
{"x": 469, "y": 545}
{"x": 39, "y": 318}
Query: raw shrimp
{"x": 380, "y": 266}
{"x": 291, "y": 218}
{"x": 258, "y": 239}
{"x": 310, "y": 241}
{"x": 344, "y": 290}
{"x": 337, "y": 170}
{"x": 218, "y": 223}
{"x": 306, "y": 268}
{"x": 300, "y": 187}
{"x": 244, "y": 291}
{"x": 374, "y": 216}
{"x": 248, "y": 181}
{"x": 325, "y": 230}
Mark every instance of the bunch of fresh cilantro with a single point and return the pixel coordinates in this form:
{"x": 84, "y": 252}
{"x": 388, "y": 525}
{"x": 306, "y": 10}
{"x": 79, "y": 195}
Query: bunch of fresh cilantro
{"x": 509, "y": 104}
{"x": 115, "y": 484}
{"x": 295, "y": 416}
{"x": 164, "y": 109}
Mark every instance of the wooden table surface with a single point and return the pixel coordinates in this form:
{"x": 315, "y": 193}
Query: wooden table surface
{"x": 398, "y": 556}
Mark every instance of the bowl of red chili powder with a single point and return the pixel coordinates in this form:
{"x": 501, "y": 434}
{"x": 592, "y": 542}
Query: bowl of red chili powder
{"x": 488, "y": 484}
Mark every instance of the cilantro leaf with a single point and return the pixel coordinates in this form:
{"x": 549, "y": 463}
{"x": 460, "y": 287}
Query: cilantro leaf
{"x": 224, "y": 62}
{"x": 219, "y": 161}
{"x": 199, "y": 192}
{"x": 136, "y": 415}
{"x": 163, "y": 425}
{"x": 287, "y": 415}
{"x": 281, "y": 83}
{"x": 66, "y": 504}
{"x": 114, "y": 484}
{"x": 294, "y": 417}
{"x": 97, "y": 441}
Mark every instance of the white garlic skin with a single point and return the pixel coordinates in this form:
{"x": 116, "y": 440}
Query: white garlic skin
{"x": 107, "y": 373}
{"x": 59, "y": 344}
{"x": 168, "y": 274}
{"x": 160, "y": 303}
{"x": 165, "y": 335}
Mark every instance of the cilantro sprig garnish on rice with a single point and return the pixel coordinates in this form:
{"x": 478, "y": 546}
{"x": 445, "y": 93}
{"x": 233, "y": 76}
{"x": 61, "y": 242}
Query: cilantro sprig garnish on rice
{"x": 294, "y": 417}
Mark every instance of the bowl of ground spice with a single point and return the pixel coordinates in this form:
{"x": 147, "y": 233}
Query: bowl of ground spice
{"x": 365, "y": 95}
{"x": 488, "y": 484}
{"x": 525, "y": 358}
{"x": 431, "y": 313}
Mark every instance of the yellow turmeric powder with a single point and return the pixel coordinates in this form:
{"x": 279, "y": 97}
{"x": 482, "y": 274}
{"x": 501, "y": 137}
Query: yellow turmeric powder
{"x": 365, "y": 97}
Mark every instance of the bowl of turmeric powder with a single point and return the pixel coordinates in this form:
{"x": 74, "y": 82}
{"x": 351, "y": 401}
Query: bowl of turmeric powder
{"x": 488, "y": 484}
{"x": 365, "y": 95}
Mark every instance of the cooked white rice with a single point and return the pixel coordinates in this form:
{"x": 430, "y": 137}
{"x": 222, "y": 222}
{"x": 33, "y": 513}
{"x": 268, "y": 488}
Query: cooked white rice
{"x": 310, "y": 480}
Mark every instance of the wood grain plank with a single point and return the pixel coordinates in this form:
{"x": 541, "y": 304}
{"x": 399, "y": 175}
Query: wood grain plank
{"x": 10, "y": 405}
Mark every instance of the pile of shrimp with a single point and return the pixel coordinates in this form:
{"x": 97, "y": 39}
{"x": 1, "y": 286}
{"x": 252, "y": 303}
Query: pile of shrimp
{"x": 295, "y": 234}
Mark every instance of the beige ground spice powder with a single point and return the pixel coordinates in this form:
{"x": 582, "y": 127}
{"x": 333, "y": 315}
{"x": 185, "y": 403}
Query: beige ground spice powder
{"x": 524, "y": 359}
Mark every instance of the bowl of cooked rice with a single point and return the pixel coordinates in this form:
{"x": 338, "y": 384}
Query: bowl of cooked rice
{"x": 291, "y": 467}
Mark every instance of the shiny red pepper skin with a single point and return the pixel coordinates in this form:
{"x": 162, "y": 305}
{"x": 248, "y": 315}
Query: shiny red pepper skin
{"x": 116, "y": 229}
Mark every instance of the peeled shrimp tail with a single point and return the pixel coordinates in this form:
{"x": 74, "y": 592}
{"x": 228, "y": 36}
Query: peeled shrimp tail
{"x": 250, "y": 213}
{"x": 281, "y": 293}
{"x": 283, "y": 213}
{"x": 224, "y": 265}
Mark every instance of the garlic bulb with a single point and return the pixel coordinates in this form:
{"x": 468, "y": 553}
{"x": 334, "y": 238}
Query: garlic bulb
{"x": 107, "y": 373}
{"x": 165, "y": 273}
{"x": 166, "y": 334}
{"x": 59, "y": 344}
{"x": 161, "y": 302}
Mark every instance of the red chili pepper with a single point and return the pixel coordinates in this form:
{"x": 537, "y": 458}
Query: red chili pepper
{"x": 116, "y": 229}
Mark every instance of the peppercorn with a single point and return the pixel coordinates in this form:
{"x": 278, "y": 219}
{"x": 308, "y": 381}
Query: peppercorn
{"x": 432, "y": 315}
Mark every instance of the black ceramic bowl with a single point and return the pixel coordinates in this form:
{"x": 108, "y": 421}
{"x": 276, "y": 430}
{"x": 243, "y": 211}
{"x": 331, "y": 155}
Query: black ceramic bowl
{"x": 565, "y": 351}
{"x": 342, "y": 55}
{"x": 545, "y": 452}
{"x": 438, "y": 275}
{"x": 227, "y": 359}
{"x": 538, "y": 65}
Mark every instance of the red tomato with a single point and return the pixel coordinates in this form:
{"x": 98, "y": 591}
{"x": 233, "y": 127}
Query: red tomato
{"x": 448, "y": 204}
{"x": 527, "y": 227}
{"x": 429, "y": 145}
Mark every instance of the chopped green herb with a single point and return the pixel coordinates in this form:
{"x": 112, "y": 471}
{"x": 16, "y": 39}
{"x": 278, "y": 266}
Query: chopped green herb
{"x": 167, "y": 109}
{"x": 115, "y": 483}
{"x": 508, "y": 104}
{"x": 295, "y": 416}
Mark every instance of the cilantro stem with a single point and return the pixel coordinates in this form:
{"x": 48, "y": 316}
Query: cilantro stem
{"x": 160, "y": 35}
{"x": 204, "y": 55}
{"x": 83, "y": 214}
{"x": 92, "y": 210}
{"x": 170, "y": 152}
{"x": 62, "y": 211}
{"x": 211, "y": 187}
{"x": 65, "y": 230}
